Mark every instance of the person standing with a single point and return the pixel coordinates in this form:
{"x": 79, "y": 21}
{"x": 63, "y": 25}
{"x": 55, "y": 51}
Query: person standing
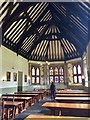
{"x": 52, "y": 89}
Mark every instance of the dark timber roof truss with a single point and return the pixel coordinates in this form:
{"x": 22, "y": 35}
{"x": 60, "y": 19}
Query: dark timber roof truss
{"x": 46, "y": 31}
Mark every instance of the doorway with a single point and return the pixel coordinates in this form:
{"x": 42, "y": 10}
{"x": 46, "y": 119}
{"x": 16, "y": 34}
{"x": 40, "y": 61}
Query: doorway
{"x": 20, "y": 81}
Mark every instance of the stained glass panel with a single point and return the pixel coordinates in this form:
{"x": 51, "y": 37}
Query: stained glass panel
{"x": 56, "y": 71}
{"x": 56, "y": 79}
{"x": 51, "y": 78}
{"x": 61, "y": 79}
{"x": 51, "y": 71}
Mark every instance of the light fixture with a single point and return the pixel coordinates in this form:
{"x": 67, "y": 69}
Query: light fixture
{"x": 46, "y": 61}
{"x": 83, "y": 77}
{"x": 41, "y": 64}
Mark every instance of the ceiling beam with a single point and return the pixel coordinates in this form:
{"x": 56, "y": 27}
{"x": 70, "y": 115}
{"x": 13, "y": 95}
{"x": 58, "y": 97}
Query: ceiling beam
{"x": 64, "y": 22}
{"x": 31, "y": 30}
{"x": 70, "y": 38}
{"x": 39, "y": 39}
{"x": 23, "y": 7}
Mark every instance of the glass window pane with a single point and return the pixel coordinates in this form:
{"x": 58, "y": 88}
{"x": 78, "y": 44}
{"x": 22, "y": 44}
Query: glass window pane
{"x": 74, "y": 70}
{"x": 37, "y": 79}
{"x": 56, "y": 79}
{"x": 75, "y": 79}
{"x": 37, "y": 71}
{"x": 79, "y": 69}
{"x": 51, "y": 78}
{"x": 61, "y": 71}
{"x": 61, "y": 79}
{"x": 33, "y": 80}
{"x": 51, "y": 71}
{"x": 56, "y": 71}
{"x": 33, "y": 71}
{"x": 80, "y": 79}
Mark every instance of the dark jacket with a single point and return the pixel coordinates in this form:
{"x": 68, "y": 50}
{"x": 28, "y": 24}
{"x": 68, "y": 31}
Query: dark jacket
{"x": 52, "y": 87}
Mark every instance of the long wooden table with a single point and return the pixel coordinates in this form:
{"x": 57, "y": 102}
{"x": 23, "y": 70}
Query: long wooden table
{"x": 71, "y": 95}
{"x": 26, "y": 100}
{"x": 73, "y": 99}
{"x": 71, "y": 92}
{"x": 40, "y": 93}
{"x": 60, "y": 108}
{"x": 34, "y": 96}
{"x": 39, "y": 117}
{"x": 10, "y": 105}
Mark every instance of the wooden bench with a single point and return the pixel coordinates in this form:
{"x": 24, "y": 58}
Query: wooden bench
{"x": 9, "y": 106}
{"x": 73, "y": 99}
{"x": 47, "y": 117}
{"x": 61, "y": 108}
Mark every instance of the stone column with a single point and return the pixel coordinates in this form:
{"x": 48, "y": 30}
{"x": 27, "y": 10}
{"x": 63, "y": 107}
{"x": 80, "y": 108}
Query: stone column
{"x": 29, "y": 73}
{"x": 47, "y": 73}
{"x": 44, "y": 74}
{"x": 88, "y": 63}
{"x": 65, "y": 74}
{"x": 41, "y": 75}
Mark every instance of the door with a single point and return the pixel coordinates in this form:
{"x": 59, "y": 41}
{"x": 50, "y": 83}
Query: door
{"x": 20, "y": 81}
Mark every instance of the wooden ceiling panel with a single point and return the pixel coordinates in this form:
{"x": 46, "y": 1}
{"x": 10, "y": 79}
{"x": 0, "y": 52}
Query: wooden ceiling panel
{"x": 46, "y": 31}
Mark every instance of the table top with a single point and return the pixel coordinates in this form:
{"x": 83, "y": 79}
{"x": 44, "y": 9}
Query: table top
{"x": 27, "y": 94}
{"x": 34, "y": 92}
{"x": 66, "y": 105}
{"x": 47, "y": 116}
{"x": 84, "y": 94}
{"x": 20, "y": 98}
{"x": 11, "y": 103}
{"x": 20, "y": 95}
{"x": 71, "y": 91}
{"x": 73, "y": 98}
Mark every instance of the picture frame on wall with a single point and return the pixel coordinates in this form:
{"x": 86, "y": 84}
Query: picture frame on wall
{"x": 8, "y": 76}
{"x": 25, "y": 78}
{"x": 14, "y": 76}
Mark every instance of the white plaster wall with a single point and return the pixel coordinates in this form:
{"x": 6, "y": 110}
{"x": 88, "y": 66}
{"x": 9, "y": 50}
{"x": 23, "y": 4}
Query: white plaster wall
{"x": 12, "y": 63}
{"x": 0, "y": 62}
